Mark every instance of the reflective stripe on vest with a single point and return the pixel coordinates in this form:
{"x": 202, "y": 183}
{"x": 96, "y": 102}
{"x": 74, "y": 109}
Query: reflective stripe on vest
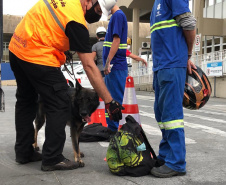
{"x": 163, "y": 24}
{"x": 170, "y": 125}
{"x": 109, "y": 44}
{"x": 54, "y": 15}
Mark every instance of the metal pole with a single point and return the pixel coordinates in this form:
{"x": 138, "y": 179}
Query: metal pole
{"x": 2, "y": 102}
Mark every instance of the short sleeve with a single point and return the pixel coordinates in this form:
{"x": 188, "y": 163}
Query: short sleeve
{"x": 94, "y": 48}
{"x": 78, "y": 37}
{"x": 118, "y": 22}
{"x": 178, "y": 7}
{"x": 128, "y": 52}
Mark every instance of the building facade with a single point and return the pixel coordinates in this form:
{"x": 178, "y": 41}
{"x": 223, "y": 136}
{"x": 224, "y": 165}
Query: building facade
{"x": 211, "y": 26}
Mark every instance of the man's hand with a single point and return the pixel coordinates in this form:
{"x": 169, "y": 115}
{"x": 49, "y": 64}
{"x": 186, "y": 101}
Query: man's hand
{"x": 189, "y": 66}
{"x": 107, "y": 67}
{"x": 114, "y": 110}
{"x": 144, "y": 62}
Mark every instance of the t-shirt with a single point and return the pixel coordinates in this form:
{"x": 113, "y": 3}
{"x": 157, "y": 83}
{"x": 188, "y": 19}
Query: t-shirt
{"x": 98, "y": 48}
{"x": 128, "y": 52}
{"x": 117, "y": 26}
{"x": 168, "y": 43}
{"x": 78, "y": 37}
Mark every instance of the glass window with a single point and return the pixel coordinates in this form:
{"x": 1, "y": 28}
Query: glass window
{"x": 217, "y": 40}
{"x": 217, "y": 48}
{"x": 211, "y": 2}
{"x": 224, "y": 40}
{"x": 218, "y": 1}
{"x": 5, "y": 46}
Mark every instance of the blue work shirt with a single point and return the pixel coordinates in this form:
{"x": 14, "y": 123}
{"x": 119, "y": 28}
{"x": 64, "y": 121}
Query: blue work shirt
{"x": 168, "y": 43}
{"x": 117, "y": 26}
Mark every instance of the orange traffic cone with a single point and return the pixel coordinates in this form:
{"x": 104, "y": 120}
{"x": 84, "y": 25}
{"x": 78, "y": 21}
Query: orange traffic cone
{"x": 99, "y": 115}
{"x": 129, "y": 102}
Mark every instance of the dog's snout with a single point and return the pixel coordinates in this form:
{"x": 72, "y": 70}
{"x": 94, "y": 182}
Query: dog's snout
{"x": 83, "y": 114}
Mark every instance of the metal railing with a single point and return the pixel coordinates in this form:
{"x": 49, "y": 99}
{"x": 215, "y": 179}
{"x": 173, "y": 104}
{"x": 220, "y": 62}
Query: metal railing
{"x": 143, "y": 75}
{"x": 203, "y": 60}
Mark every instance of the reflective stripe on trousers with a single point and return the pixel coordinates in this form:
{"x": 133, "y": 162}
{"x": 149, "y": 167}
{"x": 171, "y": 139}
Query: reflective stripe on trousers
{"x": 169, "y": 125}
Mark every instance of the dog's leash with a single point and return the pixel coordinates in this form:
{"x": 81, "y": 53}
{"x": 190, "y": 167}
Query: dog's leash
{"x": 69, "y": 61}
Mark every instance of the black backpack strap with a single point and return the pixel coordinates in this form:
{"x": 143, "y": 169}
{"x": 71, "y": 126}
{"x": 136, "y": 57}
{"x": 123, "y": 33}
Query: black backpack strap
{"x": 129, "y": 119}
{"x": 145, "y": 138}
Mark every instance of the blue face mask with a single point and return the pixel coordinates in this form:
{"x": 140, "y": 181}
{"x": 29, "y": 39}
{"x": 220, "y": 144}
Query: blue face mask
{"x": 91, "y": 15}
{"x": 141, "y": 148}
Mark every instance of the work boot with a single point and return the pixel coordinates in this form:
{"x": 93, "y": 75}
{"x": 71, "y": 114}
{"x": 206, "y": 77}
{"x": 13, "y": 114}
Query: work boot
{"x": 36, "y": 156}
{"x": 66, "y": 164}
{"x": 159, "y": 163}
{"x": 165, "y": 172}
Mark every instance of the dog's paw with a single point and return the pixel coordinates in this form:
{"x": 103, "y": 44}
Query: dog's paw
{"x": 81, "y": 163}
{"x": 82, "y": 154}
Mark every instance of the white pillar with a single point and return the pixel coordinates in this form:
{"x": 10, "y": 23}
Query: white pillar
{"x": 205, "y": 45}
{"x": 135, "y": 35}
{"x": 221, "y": 43}
{"x": 213, "y": 45}
{"x": 135, "y": 31}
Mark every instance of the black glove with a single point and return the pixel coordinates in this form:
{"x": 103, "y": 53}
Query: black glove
{"x": 114, "y": 110}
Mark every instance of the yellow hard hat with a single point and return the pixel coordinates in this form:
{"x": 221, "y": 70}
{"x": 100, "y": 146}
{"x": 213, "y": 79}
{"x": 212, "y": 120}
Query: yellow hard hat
{"x": 129, "y": 41}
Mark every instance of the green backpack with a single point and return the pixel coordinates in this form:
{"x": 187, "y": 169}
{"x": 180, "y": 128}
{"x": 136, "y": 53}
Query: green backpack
{"x": 129, "y": 152}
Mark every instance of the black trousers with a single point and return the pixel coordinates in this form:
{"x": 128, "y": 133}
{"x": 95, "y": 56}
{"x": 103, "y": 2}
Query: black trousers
{"x": 51, "y": 85}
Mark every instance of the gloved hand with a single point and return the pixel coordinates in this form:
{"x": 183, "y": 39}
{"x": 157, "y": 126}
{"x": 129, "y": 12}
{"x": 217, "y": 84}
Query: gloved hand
{"x": 114, "y": 110}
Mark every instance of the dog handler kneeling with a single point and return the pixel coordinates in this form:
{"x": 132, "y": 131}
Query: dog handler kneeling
{"x": 37, "y": 49}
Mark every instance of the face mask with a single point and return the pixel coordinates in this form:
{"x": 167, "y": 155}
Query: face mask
{"x": 128, "y": 47}
{"x": 91, "y": 16}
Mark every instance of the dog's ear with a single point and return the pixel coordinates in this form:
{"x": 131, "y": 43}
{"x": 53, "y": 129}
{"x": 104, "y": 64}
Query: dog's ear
{"x": 78, "y": 86}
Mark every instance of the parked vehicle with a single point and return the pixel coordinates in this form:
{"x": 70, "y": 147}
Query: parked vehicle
{"x": 79, "y": 73}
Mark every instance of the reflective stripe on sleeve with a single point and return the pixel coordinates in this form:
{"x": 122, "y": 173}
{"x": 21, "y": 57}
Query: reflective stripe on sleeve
{"x": 109, "y": 44}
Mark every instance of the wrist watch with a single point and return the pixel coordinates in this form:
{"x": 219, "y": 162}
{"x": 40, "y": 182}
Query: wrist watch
{"x": 189, "y": 56}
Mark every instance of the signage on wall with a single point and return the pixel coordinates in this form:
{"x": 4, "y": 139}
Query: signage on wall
{"x": 197, "y": 42}
{"x": 214, "y": 69}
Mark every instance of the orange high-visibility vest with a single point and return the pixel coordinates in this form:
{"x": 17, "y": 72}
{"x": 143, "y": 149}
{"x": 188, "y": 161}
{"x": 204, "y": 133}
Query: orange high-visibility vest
{"x": 40, "y": 36}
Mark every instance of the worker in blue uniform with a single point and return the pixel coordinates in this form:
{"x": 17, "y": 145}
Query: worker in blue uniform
{"x": 114, "y": 58}
{"x": 172, "y": 38}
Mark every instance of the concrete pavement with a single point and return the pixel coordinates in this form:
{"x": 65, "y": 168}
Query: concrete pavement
{"x": 205, "y": 151}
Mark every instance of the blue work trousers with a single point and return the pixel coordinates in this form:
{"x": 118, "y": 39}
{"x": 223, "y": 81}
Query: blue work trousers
{"x": 115, "y": 82}
{"x": 169, "y": 85}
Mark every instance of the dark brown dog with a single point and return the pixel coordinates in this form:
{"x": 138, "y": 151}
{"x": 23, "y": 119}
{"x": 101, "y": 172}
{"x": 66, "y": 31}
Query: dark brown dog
{"x": 84, "y": 102}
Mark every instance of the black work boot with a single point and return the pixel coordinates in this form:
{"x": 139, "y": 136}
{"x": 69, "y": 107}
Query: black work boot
{"x": 165, "y": 172}
{"x": 66, "y": 164}
{"x": 159, "y": 163}
{"x": 36, "y": 156}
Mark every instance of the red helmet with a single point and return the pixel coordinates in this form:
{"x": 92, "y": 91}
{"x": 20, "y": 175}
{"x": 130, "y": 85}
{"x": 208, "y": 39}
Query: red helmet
{"x": 197, "y": 89}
